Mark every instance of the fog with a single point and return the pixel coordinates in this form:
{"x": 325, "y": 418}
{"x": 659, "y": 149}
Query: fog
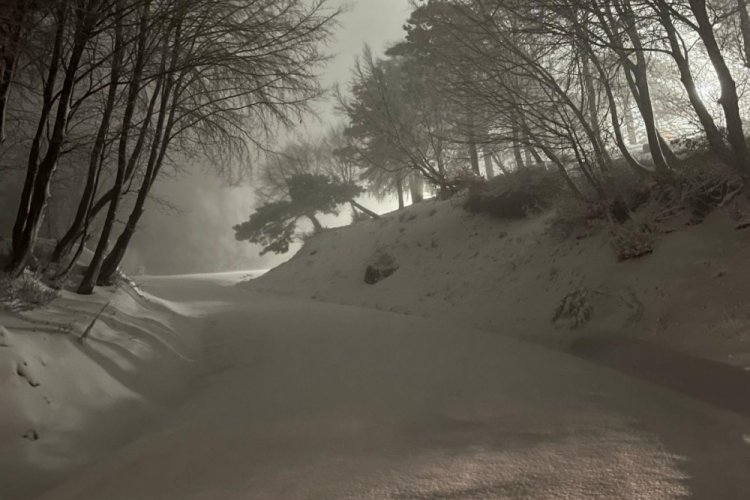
{"x": 197, "y": 226}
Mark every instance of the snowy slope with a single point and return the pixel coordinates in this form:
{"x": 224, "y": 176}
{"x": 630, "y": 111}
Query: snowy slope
{"x": 64, "y": 400}
{"x": 692, "y": 293}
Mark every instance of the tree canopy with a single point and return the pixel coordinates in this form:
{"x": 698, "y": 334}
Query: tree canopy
{"x": 273, "y": 225}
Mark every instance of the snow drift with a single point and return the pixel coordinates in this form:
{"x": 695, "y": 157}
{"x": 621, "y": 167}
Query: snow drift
{"x": 80, "y": 376}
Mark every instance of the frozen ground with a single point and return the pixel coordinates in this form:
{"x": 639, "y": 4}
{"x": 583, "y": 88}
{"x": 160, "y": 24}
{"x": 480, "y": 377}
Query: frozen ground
{"x": 303, "y": 399}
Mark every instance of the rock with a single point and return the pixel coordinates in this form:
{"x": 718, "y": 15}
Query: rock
{"x": 383, "y": 266}
{"x": 373, "y": 274}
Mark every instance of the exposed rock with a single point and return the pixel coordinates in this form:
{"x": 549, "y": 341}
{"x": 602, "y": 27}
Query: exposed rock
{"x": 383, "y": 266}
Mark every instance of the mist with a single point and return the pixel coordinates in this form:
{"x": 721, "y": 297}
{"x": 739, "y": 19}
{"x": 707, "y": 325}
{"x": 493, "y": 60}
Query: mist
{"x": 196, "y": 223}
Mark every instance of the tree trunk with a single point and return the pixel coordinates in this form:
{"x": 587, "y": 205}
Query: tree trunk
{"x": 95, "y": 160}
{"x": 364, "y": 210}
{"x": 400, "y": 193}
{"x": 160, "y": 142}
{"x": 629, "y": 121}
{"x": 79, "y": 226}
{"x": 47, "y": 167}
{"x": 318, "y": 227}
{"x": 713, "y": 135}
{"x": 563, "y": 171}
{"x": 745, "y": 28}
{"x": 416, "y": 187}
{"x": 516, "y": 144}
{"x": 92, "y": 271}
{"x": 615, "y": 120}
{"x": 10, "y": 51}
{"x": 500, "y": 164}
{"x": 637, "y": 78}
{"x": 48, "y": 97}
{"x": 489, "y": 170}
{"x": 473, "y": 156}
{"x": 729, "y": 100}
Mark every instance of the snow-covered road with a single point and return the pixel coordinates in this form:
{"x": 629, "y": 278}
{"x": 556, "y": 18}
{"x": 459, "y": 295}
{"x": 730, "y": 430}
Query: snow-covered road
{"x": 303, "y": 399}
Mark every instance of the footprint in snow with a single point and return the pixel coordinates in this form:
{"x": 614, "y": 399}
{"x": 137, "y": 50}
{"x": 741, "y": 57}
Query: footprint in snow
{"x": 22, "y": 370}
{"x": 31, "y": 435}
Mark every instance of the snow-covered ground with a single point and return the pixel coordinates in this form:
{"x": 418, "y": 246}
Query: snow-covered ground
{"x": 306, "y": 382}
{"x": 692, "y": 293}
{"x": 304, "y": 399}
{"x": 68, "y": 395}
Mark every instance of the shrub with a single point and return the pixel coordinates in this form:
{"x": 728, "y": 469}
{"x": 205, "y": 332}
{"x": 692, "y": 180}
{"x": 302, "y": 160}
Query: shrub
{"x": 634, "y": 238}
{"x": 575, "y": 218}
{"x": 574, "y": 309}
{"x": 383, "y": 266}
{"x": 25, "y": 292}
{"x": 516, "y": 194}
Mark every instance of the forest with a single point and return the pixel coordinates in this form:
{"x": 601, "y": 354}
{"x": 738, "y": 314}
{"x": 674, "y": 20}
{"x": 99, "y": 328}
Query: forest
{"x": 615, "y": 104}
{"x": 611, "y": 104}
{"x": 99, "y": 99}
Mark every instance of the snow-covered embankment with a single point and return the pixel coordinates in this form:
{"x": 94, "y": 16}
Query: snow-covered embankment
{"x": 511, "y": 276}
{"x": 81, "y": 376}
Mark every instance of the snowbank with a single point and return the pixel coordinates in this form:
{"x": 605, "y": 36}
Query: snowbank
{"x": 70, "y": 391}
{"x": 692, "y": 293}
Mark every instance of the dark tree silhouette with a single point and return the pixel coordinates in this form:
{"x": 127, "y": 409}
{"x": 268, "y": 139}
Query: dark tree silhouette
{"x": 273, "y": 225}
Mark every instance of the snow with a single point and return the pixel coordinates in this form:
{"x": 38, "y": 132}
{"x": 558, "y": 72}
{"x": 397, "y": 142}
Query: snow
{"x": 510, "y": 276}
{"x": 306, "y": 382}
{"x": 304, "y": 399}
{"x": 65, "y": 401}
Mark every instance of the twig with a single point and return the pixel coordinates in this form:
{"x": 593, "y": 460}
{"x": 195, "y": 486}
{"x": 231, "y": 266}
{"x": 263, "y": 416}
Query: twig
{"x": 91, "y": 325}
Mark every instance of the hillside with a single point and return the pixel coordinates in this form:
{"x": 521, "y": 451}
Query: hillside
{"x": 691, "y": 293}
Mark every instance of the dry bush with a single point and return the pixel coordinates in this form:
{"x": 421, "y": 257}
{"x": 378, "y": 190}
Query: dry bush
{"x": 635, "y": 237}
{"x": 574, "y": 310}
{"x": 383, "y": 265}
{"x": 28, "y": 291}
{"x": 574, "y": 218}
{"x": 515, "y": 195}
{"x": 701, "y": 185}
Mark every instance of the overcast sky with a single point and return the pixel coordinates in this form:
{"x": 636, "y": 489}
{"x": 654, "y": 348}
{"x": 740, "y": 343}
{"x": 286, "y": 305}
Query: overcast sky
{"x": 201, "y": 234}
{"x": 378, "y": 23}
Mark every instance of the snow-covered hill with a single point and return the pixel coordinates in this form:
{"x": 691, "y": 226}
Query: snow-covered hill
{"x": 692, "y": 293}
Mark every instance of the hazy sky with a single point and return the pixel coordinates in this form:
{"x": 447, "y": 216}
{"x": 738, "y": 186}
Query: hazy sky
{"x": 201, "y": 236}
{"x": 377, "y": 23}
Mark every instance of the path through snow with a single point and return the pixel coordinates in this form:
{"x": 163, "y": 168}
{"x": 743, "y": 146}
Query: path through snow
{"x": 302, "y": 399}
